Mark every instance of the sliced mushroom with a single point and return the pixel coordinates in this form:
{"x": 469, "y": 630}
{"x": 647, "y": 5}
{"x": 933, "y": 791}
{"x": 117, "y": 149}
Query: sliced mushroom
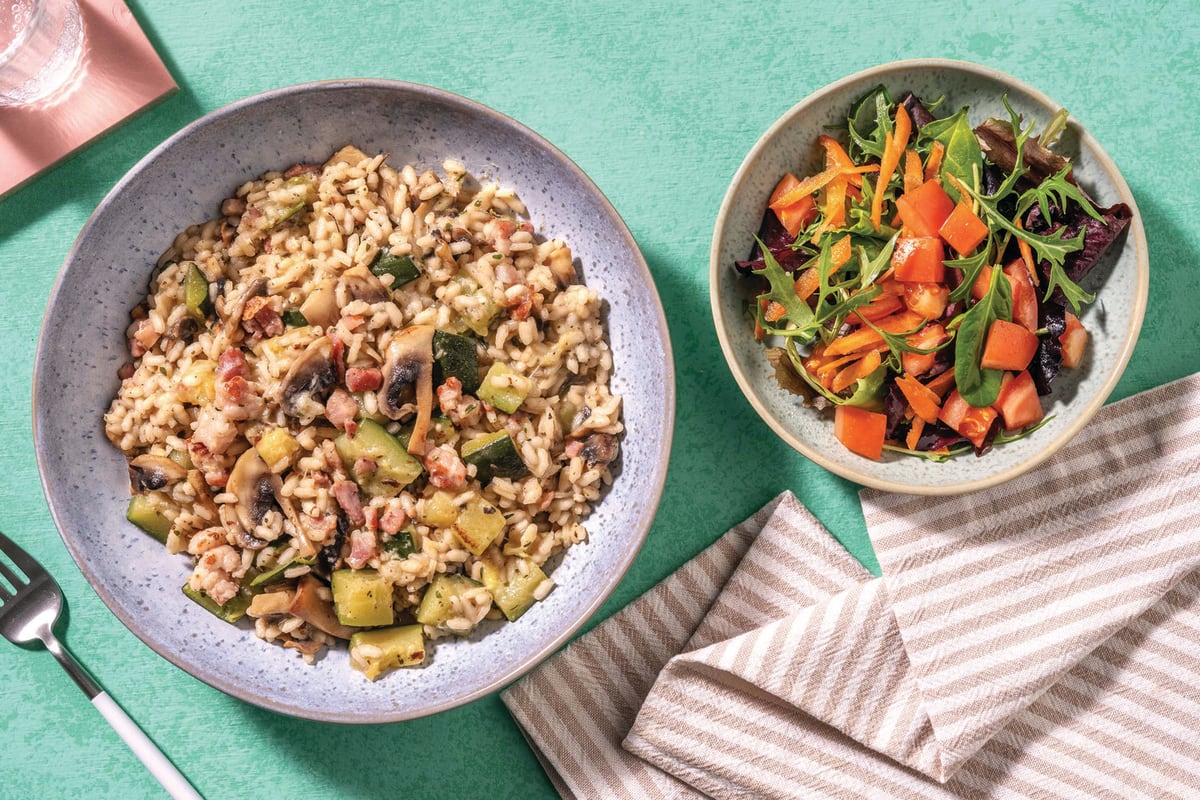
{"x": 320, "y": 307}
{"x": 562, "y": 265}
{"x": 308, "y": 606}
{"x": 599, "y": 448}
{"x": 147, "y": 472}
{"x": 269, "y": 603}
{"x": 408, "y": 378}
{"x": 361, "y": 284}
{"x": 347, "y": 155}
{"x": 233, "y": 312}
{"x": 257, "y": 490}
{"x": 309, "y": 381}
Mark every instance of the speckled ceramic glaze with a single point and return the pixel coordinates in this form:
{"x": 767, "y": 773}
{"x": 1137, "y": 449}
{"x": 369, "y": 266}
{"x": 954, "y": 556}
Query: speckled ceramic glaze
{"x": 82, "y": 345}
{"x": 1122, "y": 278}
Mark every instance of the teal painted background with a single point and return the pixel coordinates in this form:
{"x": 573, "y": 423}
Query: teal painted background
{"x": 658, "y": 102}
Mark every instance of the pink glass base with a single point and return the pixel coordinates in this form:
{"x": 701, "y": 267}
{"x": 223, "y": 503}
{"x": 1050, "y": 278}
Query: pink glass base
{"x": 119, "y": 74}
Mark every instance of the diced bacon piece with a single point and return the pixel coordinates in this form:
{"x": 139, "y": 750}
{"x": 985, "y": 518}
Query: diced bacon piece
{"x": 446, "y": 470}
{"x": 346, "y": 495}
{"x": 393, "y": 520}
{"x": 359, "y": 379}
{"x": 261, "y": 317}
{"x": 371, "y": 513}
{"x": 232, "y": 363}
{"x": 363, "y": 547}
{"x": 340, "y": 409}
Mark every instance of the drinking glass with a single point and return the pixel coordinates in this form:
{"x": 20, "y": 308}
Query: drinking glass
{"x": 40, "y": 46}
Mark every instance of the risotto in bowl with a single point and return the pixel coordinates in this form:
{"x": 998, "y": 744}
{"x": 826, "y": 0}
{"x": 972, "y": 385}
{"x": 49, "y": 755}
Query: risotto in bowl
{"x": 371, "y": 405}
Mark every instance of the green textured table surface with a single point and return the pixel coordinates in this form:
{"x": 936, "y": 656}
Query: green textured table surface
{"x": 658, "y": 102}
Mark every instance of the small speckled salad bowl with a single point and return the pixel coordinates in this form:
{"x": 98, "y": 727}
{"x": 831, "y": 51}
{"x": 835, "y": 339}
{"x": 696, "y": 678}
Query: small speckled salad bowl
{"x": 182, "y": 182}
{"x": 1120, "y": 279}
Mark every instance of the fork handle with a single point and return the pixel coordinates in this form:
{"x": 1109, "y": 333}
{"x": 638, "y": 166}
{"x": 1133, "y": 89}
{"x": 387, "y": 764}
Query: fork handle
{"x": 149, "y": 754}
{"x": 146, "y": 751}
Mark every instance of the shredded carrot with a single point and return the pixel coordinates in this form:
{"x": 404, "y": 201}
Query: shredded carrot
{"x": 942, "y": 383}
{"x": 924, "y": 401}
{"x": 877, "y": 309}
{"x": 933, "y": 164}
{"x": 864, "y": 337}
{"x": 892, "y": 150}
{"x": 774, "y": 312}
{"x": 835, "y": 156}
{"x": 856, "y": 371}
{"x": 913, "y": 176}
{"x": 1027, "y": 256}
{"x": 840, "y": 253}
{"x": 835, "y": 202}
{"x": 903, "y": 322}
{"x": 818, "y": 181}
{"x": 806, "y": 283}
{"x": 759, "y": 333}
{"x": 825, "y": 369}
{"x": 914, "y": 433}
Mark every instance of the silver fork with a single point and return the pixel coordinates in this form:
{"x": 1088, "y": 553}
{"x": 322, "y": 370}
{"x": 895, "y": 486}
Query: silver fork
{"x": 29, "y": 612}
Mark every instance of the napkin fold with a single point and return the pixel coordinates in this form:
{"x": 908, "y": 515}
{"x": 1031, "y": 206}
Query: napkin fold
{"x": 1036, "y": 639}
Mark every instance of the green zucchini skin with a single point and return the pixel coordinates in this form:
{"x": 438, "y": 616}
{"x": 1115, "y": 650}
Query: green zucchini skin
{"x": 494, "y": 456}
{"x": 454, "y": 357}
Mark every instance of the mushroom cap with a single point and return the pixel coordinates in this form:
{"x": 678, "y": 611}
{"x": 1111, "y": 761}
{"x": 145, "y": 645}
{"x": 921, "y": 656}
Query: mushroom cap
{"x": 320, "y": 307}
{"x": 147, "y": 472}
{"x": 409, "y": 359}
{"x": 361, "y": 284}
{"x": 309, "y": 380}
{"x": 257, "y": 490}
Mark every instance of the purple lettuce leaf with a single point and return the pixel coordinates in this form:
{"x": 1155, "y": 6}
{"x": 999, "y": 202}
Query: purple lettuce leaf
{"x": 1048, "y": 359}
{"x": 1098, "y": 236}
{"x": 779, "y": 242}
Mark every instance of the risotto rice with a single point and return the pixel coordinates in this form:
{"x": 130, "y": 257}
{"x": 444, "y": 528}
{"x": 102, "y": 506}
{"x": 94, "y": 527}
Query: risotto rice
{"x": 370, "y": 403}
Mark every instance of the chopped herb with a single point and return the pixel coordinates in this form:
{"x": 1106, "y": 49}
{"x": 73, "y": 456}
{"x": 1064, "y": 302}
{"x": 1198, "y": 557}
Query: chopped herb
{"x": 401, "y": 544}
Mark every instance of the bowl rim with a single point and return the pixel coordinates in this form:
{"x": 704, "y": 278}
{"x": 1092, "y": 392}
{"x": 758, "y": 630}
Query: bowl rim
{"x": 656, "y": 484}
{"x": 1136, "y": 232}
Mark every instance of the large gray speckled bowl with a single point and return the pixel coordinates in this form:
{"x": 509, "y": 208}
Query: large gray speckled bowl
{"x": 1121, "y": 279}
{"x": 107, "y": 272}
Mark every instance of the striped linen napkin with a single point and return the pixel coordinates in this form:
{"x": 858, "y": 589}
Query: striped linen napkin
{"x": 1040, "y": 639}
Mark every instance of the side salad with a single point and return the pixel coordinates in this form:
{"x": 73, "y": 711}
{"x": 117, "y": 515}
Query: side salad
{"x": 925, "y": 283}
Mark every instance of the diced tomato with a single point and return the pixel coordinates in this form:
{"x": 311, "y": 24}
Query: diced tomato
{"x": 1009, "y": 346}
{"x": 1074, "y": 342}
{"x": 1025, "y": 302}
{"x": 963, "y": 229}
{"x": 924, "y": 209}
{"x": 1018, "y": 401}
{"x": 927, "y": 299}
{"x": 919, "y": 258}
{"x": 982, "y": 283}
{"x": 973, "y": 424}
{"x": 929, "y": 336}
{"x": 861, "y": 431}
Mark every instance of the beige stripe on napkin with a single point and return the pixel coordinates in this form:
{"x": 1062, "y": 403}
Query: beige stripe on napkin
{"x": 1038, "y": 639}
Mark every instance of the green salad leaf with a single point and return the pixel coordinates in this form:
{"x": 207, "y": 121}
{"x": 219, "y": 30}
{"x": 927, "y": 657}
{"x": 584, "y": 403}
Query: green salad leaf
{"x": 797, "y": 314}
{"x": 963, "y": 157}
{"x": 978, "y": 386}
